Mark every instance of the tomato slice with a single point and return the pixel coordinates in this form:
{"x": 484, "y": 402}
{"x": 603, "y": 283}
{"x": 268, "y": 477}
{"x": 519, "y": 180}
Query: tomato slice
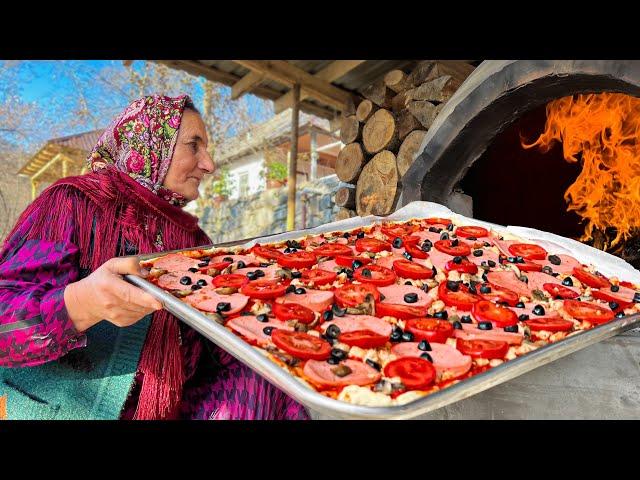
{"x": 461, "y": 250}
{"x": 353, "y": 294}
{"x": 469, "y": 231}
{"x": 415, "y": 373}
{"x": 403, "y": 312}
{"x": 528, "y": 251}
{"x": 232, "y": 280}
{"x": 266, "y": 252}
{"x": 607, "y": 297}
{"x": 297, "y": 260}
{"x": 332, "y": 249}
{"x": 529, "y": 267}
{"x": 345, "y": 261}
{"x": 363, "y": 339}
{"x": 500, "y": 294}
{"x": 379, "y": 276}
{"x": 263, "y": 289}
{"x": 372, "y": 245}
{"x": 393, "y": 231}
{"x": 411, "y": 240}
{"x": 415, "y": 271}
{"x": 462, "y": 299}
{"x": 438, "y": 221}
{"x": 293, "y": 311}
{"x": 415, "y": 252}
{"x": 429, "y": 329}
{"x": 465, "y": 266}
{"x": 590, "y": 279}
{"x": 215, "y": 266}
{"x": 550, "y": 324}
{"x": 318, "y": 276}
{"x": 301, "y": 345}
{"x": 486, "y": 311}
{"x": 624, "y": 283}
{"x": 556, "y": 290}
{"x": 589, "y": 312}
{"x": 483, "y": 348}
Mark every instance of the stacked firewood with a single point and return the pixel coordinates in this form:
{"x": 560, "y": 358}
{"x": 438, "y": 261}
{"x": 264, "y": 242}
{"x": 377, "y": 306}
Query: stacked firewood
{"x": 384, "y": 131}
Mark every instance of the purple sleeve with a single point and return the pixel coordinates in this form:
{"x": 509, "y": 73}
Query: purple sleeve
{"x": 34, "y": 325}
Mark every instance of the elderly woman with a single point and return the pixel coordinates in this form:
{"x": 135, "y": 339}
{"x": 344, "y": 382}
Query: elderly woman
{"x": 76, "y": 340}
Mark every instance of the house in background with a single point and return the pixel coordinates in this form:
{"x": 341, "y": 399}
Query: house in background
{"x": 246, "y": 155}
{"x": 59, "y": 158}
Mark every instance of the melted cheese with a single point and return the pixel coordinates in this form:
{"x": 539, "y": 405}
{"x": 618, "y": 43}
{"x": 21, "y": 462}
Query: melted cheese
{"x": 364, "y": 396}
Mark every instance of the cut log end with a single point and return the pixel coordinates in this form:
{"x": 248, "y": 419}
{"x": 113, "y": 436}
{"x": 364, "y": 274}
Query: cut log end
{"x": 350, "y": 162}
{"x": 396, "y": 80}
{"x": 409, "y": 150}
{"x": 380, "y": 132}
{"x": 344, "y": 213}
{"x": 350, "y": 130}
{"x": 365, "y": 110}
{"x": 377, "y": 188}
{"x": 346, "y": 197}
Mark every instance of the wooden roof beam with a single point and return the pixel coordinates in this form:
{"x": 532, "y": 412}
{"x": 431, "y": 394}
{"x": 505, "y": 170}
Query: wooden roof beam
{"x": 331, "y": 72}
{"x": 216, "y": 75}
{"x": 287, "y": 74}
{"x": 246, "y": 84}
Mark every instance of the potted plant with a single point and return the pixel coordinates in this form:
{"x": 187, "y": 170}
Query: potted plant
{"x": 276, "y": 173}
{"x": 220, "y": 188}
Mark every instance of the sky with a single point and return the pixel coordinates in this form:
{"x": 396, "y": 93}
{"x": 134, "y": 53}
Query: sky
{"x": 40, "y": 81}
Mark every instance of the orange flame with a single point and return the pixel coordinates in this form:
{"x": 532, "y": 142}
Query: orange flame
{"x": 605, "y": 129}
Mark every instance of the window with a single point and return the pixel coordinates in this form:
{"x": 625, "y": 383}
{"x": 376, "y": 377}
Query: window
{"x": 243, "y": 184}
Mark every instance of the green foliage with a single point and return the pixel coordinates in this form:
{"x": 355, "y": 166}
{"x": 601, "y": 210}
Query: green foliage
{"x": 221, "y": 185}
{"x": 277, "y": 171}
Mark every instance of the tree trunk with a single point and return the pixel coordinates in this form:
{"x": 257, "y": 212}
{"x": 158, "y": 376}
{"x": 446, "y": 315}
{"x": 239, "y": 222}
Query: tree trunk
{"x": 424, "y": 111}
{"x": 380, "y": 132}
{"x": 407, "y": 123}
{"x": 396, "y": 80}
{"x": 345, "y": 213}
{"x": 365, "y": 110}
{"x": 379, "y": 94}
{"x": 409, "y": 150}
{"x": 438, "y": 90}
{"x": 377, "y": 187}
{"x": 346, "y": 197}
{"x": 350, "y": 162}
{"x": 350, "y": 129}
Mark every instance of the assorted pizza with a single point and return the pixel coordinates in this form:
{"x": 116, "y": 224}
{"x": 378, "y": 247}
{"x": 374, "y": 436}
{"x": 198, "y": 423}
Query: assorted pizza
{"x": 385, "y": 314}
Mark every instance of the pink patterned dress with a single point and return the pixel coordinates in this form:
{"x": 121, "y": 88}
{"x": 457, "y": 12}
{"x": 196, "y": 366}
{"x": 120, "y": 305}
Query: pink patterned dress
{"x": 35, "y": 329}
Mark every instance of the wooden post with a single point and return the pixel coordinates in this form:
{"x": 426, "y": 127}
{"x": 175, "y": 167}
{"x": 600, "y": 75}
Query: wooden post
{"x": 313, "y": 170}
{"x": 34, "y": 187}
{"x": 65, "y": 167}
{"x": 293, "y": 162}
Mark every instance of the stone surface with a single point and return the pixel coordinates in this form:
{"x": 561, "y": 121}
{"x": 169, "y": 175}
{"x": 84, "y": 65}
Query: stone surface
{"x": 265, "y": 213}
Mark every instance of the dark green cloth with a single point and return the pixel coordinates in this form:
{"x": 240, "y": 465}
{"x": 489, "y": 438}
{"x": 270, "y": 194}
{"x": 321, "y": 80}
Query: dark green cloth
{"x": 90, "y": 383}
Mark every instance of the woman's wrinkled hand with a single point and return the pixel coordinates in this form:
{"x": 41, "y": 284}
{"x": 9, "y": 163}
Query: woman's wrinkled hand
{"x": 104, "y": 295}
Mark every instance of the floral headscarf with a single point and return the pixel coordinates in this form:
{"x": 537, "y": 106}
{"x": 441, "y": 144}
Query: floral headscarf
{"x": 140, "y": 142}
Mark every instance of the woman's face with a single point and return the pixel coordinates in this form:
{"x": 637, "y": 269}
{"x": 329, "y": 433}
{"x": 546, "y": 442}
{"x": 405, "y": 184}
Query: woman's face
{"x": 190, "y": 161}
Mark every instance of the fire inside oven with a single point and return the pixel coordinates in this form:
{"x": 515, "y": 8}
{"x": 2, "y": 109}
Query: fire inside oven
{"x": 570, "y": 167}
{"x": 551, "y": 145}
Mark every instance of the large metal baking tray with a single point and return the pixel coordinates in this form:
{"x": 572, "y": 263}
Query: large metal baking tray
{"x": 304, "y": 394}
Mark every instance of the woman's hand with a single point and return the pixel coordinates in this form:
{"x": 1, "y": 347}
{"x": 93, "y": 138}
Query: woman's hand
{"x": 105, "y": 295}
